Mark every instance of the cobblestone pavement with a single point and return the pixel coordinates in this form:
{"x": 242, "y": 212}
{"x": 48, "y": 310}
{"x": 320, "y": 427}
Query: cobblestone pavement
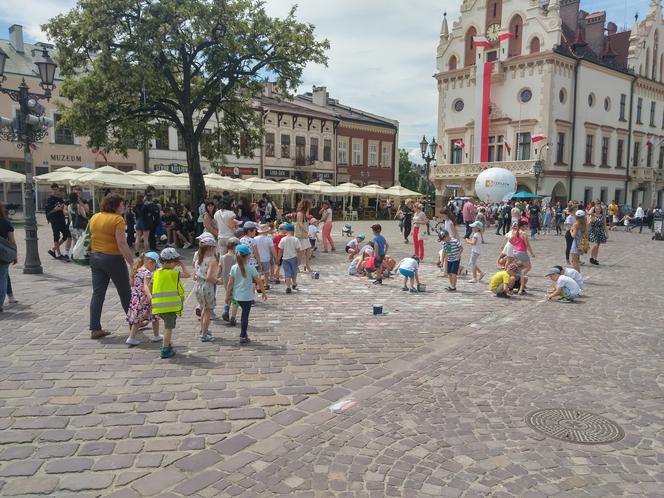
{"x": 442, "y": 384}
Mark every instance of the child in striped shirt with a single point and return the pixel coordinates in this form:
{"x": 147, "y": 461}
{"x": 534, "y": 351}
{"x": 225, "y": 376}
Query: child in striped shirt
{"x": 451, "y": 258}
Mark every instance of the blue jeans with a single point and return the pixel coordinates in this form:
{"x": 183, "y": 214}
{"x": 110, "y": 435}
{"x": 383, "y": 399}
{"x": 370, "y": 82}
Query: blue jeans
{"x": 244, "y": 319}
{"x": 639, "y": 223}
{"x": 4, "y": 276}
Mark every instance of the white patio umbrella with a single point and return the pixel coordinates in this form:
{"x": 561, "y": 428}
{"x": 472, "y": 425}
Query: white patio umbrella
{"x": 218, "y": 183}
{"x": 109, "y": 177}
{"x": 349, "y": 189}
{"x": 63, "y": 175}
{"x": 257, "y": 185}
{"x": 167, "y": 180}
{"x": 401, "y": 192}
{"x": 376, "y": 191}
{"x": 7, "y": 177}
{"x": 324, "y": 188}
{"x": 294, "y": 187}
{"x": 137, "y": 172}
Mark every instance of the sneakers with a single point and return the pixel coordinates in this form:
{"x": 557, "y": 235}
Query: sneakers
{"x": 503, "y": 295}
{"x": 593, "y": 261}
{"x": 565, "y": 300}
{"x": 132, "y": 342}
{"x": 232, "y": 322}
{"x": 414, "y": 291}
{"x": 52, "y": 253}
{"x": 11, "y": 299}
{"x": 65, "y": 258}
{"x": 225, "y": 316}
{"x": 405, "y": 289}
{"x": 167, "y": 352}
{"x": 378, "y": 281}
{"x": 245, "y": 340}
{"x": 288, "y": 290}
{"x": 206, "y": 338}
{"x": 156, "y": 338}
{"x": 98, "y": 334}
{"x": 450, "y": 289}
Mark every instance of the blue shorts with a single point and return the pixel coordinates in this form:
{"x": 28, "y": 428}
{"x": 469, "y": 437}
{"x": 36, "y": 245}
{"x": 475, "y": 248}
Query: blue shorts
{"x": 453, "y": 267}
{"x": 290, "y": 267}
{"x": 407, "y": 273}
{"x": 569, "y": 294}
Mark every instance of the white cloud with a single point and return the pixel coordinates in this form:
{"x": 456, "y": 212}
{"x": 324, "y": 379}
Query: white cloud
{"x": 382, "y": 55}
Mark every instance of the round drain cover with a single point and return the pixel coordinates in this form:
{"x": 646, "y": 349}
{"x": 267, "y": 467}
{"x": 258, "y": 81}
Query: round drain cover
{"x": 575, "y": 426}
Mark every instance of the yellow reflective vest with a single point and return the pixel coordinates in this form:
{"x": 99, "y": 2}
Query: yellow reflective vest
{"x": 167, "y": 292}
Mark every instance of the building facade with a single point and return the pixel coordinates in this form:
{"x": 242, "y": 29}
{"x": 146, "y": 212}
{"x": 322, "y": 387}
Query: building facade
{"x": 568, "y": 96}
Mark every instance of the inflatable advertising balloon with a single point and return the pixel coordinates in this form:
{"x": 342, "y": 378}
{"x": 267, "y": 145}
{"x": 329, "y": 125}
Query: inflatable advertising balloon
{"x": 493, "y": 184}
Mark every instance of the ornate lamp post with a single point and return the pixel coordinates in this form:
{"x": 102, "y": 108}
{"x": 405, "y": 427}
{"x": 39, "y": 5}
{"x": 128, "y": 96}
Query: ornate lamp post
{"x": 27, "y": 128}
{"x": 538, "y": 167}
{"x": 429, "y": 155}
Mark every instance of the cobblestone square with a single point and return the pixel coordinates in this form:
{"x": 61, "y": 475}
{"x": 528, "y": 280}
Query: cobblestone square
{"x": 442, "y": 385}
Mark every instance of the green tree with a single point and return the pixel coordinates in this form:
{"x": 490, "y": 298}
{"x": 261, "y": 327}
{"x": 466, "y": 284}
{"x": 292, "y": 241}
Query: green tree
{"x": 408, "y": 176}
{"x": 131, "y": 66}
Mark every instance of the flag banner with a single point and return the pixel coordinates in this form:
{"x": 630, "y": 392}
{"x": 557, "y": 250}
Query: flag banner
{"x": 458, "y": 143}
{"x": 508, "y": 148}
{"x": 481, "y": 41}
{"x": 482, "y": 104}
{"x": 537, "y": 138}
{"x": 504, "y": 35}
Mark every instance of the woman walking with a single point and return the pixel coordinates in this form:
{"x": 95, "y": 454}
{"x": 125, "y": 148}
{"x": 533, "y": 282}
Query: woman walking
{"x": 326, "y": 219}
{"x": 109, "y": 257}
{"x": 578, "y": 232}
{"x": 419, "y": 220}
{"x": 7, "y": 233}
{"x": 558, "y": 212}
{"x": 209, "y": 224}
{"x": 142, "y": 230}
{"x": 407, "y": 219}
{"x": 597, "y": 232}
{"x": 302, "y": 232}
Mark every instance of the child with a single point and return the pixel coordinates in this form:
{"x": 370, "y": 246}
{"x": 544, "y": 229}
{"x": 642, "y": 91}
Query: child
{"x": 475, "y": 241}
{"x": 573, "y": 274}
{"x": 227, "y": 261}
{"x": 165, "y": 284}
{"x": 265, "y": 252}
{"x": 313, "y": 235}
{"x": 276, "y": 267}
{"x": 207, "y": 276}
{"x": 140, "y": 309}
{"x": 451, "y": 258}
{"x": 380, "y": 246}
{"x": 481, "y": 218}
{"x": 566, "y": 288}
{"x": 502, "y": 282}
{"x": 241, "y": 287}
{"x": 520, "y": 279}
{"x": 409, "y": 268}
{"x": 250, "y": 230}
{"x": 353, "y": 247}
{"x": 289, "y": 248}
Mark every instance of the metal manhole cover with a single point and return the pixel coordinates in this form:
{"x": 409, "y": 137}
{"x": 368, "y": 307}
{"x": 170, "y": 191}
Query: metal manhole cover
{"x": 575, "y": 426}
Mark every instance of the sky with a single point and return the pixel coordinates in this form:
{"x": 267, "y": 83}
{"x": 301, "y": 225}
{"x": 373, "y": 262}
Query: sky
{"x": 382, "y": 56}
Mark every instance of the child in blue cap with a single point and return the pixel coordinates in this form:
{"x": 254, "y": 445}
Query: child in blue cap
{"x": 240, "y": 287}
{"x": 140, "y": 306}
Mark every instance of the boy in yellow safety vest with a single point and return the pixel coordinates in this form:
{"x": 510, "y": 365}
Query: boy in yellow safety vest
{"x": 168, "y": 294}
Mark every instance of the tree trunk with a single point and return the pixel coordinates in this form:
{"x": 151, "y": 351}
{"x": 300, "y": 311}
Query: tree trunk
{"x": 196, "y": 180}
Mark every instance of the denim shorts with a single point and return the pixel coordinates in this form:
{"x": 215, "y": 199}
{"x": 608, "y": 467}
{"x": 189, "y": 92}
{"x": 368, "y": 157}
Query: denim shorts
{"x": 453, "y": 267}
{"x": 169, "y": 319}
{"x": 264, "y": 268}
{"x": 290, "y": 267}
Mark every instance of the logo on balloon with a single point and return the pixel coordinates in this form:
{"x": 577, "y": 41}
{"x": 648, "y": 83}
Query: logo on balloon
{"x": 494, "y": 183}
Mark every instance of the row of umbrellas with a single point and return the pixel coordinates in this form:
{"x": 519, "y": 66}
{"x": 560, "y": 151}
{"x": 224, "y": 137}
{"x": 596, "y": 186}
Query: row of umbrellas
{"x": 110, "y": 177}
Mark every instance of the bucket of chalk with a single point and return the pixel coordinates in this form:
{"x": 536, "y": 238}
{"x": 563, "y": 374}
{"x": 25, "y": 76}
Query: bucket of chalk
{"x": 315, "y": 275}
{"x": 422, "y": 287}
{"x": 377, "y": 309}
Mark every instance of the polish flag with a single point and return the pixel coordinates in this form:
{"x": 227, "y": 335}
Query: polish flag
{"x": 482, "y": 105}
{"x": 505, "y": 35}
{"x": 538, "y": 138}
{"x": 481, "y": 41}
{"x": 649, "y": 140}
{"x": 508, "y": 148}
{"x": 458, "y": 143}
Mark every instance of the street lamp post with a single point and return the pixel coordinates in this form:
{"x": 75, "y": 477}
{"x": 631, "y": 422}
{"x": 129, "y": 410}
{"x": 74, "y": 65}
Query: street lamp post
{"x": 538, "y": 167}
{"x": 428, "y": 151}
{"x": 27, "y": 128}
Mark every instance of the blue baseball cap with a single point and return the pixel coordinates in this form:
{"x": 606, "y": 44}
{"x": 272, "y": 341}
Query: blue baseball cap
{"x": 152, "y": 255}
{"x": 243, "y": 249}
{"x": 289, "y": 227}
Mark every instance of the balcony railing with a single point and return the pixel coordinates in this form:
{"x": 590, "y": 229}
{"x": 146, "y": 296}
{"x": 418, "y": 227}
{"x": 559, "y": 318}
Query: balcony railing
{"x": 470, "y": 171}
{"x": 642, "y": 174}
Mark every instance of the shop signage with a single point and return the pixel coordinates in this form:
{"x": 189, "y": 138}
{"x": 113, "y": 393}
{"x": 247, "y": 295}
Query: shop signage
{"x": 323, "y": 176}
{"x": 279, "y": 173}
{"x": 65, "y": 158}
{"x": 239, "y": 171}
{"x": 173, "y": 167}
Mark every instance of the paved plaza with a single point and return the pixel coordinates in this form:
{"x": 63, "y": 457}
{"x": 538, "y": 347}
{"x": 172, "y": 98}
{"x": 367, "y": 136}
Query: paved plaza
{"x": 442, "y": 385}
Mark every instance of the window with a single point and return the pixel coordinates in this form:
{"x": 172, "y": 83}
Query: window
{"x": 180, "y": 142}
{"x": 587, "y": 195}
{"x": 63, "y": 135}
{"x": 452, "y": 64}
{"x": 373, "y": 155}
{"x": 607, "y": 104}
{"x": 623, "y": 99}
{"x": 652, "y": 113}
{"x": 357, "y": 154}
{"x": 161, "y": 138}
{"x": 535, "y": 45}
{"x": 458, "y": 105}
{"x": 525, "y": 95}
{"x": 515, "y": 42}
{"x": 342, "y": 152}
{"x": 385, "y": 160}
{"x": 523, "y": 146}
{"x": 605, "y": 151}
{"x": 469, "y": 56}
{"x": 618, "y": 195}
{"x": 649, "y": 148}
{"x": 591, "y": 99}
{"x": 619, "y": 153}
{"x": 313, "y": 149}
{"x": 327, "y": 150}
{"x": 560, "y": 149}
{"x": 660, "y": 161}
{"x": 562, "y": 95}
{"x": 604, "y": 194}
{"x": 637, "y": 149}
{"x": 639, "y": 108}
{"x": 496, "y": 145}
{"x": 285, "y": 146}
{"x": 269, "y": 144}
{"x": 300, "y": 151}
{"x": 589, "y": 149}
{"x": 456, "y": 152}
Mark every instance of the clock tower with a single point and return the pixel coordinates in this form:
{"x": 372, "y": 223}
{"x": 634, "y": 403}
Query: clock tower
{"x": 494, "y": 13}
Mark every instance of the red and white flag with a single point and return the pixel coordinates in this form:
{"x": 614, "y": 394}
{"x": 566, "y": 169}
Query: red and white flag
{"x": 481, "y": 41}
{"x": 482, "y": 105}
{"x": 649, "y": 140}
{"x": 538, "y": 137}
{"x": 508, "y": 148}
{"x": 458, "y": 143}
{"x": 505, "y": 35}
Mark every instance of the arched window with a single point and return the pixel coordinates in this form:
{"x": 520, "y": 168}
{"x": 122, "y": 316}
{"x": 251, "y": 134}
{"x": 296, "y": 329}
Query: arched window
{"x": 647, "y": 62}
{"x": 534, "y": 45}
{"x": 655, "y": 59}
{"x": 516, "y": 28}
{"x": 469, "y": 59}
{"x": 661, "y": 65}
{"x": 452, "y": 64}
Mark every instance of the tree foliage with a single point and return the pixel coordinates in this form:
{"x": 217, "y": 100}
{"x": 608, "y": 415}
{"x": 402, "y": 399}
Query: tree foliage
{"x": 408, "y": 176}
{"x": 131, "y": 66}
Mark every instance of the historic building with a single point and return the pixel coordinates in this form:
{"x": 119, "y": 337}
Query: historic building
{"x": 60, "y": 147}
{"x": 572, "y": 105}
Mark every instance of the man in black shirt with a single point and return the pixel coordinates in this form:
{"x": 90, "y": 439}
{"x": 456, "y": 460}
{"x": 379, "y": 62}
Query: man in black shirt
{"x": 55, "y": 214}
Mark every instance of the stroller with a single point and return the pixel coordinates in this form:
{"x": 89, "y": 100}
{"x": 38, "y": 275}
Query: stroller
{"x": 347, "y": 230}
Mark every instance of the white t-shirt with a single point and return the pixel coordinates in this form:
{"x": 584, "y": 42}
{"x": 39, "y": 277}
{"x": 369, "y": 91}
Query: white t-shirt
{"x": 476, "y": 248}
{"x": 223, "y": 218}
{"x": 639, "y": 212}
{"x": 570, "y": 220}
{"x": 419, "y": 218}
{"x": 289, "y": 246}
{"x": 409, "y": 264}
{"x": 327, "y": 215}
{"x": 313, "y": 230}
{"x": 574, "y": 275}
{"x": 568, "y": 283}
{"x": 368, "y": 250}
{"x": 352, "y": 244}
{"x": 264, "y": 246}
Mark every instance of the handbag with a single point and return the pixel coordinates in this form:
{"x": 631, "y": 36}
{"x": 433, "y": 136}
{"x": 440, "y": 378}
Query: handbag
{"x": 81, "y": 252}
{"x": 8, "y": 252}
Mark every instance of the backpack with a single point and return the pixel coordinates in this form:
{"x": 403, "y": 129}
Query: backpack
{"x": 151, "y": 215}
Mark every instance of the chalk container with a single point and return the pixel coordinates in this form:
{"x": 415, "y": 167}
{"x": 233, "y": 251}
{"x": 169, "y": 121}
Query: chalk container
{"x": 377, "y": 309}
